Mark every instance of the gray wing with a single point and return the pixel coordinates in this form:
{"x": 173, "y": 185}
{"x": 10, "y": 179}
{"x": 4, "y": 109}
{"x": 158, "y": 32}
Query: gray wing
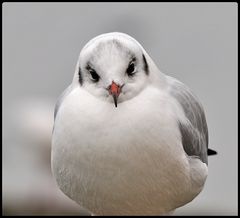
{"x": 195, "y": 132}
{"x": 61, "y": 98}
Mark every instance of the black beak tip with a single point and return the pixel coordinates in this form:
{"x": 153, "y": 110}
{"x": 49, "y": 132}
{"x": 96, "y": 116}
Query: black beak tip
{"x": 115, "y": 100}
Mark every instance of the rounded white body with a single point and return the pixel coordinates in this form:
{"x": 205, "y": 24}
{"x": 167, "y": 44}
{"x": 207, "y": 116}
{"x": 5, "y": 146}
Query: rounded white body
{"x": 127, "y": 160}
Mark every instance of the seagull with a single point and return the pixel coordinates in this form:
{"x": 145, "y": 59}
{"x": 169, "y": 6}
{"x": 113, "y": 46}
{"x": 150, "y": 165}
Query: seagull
{"x": 128, "y": 139}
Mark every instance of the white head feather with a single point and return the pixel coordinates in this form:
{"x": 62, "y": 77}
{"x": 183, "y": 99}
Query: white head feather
{"x": 110, "y": 55}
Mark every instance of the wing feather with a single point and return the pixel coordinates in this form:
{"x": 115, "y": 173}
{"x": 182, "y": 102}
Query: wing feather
{"x": 195, "y": 131}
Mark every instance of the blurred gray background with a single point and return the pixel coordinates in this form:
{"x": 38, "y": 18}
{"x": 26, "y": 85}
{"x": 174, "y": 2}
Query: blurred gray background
{"x": 194, "y": 42}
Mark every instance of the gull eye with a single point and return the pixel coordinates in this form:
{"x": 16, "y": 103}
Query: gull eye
{"x": 94, "y": 75}
{"x": 131, "y": 69}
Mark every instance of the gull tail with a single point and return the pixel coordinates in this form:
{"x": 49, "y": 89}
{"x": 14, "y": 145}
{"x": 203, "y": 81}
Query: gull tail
{"x": 211, "y": 152}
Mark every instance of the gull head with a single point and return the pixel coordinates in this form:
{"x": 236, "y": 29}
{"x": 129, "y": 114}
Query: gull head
{"x": 113, "y": 67}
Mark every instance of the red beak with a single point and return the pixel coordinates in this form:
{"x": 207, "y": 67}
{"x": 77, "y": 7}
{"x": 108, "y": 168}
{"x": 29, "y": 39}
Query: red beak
{"x": 115, "y": 91}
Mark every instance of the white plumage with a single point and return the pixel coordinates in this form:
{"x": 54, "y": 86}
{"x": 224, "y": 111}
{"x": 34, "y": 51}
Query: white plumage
{"x": 148, "y": 155}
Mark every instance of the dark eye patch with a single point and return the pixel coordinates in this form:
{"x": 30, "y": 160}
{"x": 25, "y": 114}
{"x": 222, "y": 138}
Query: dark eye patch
{"x": 146, "y": 68}
{"x": 94, "y": 76}
{"x": 80, "y": 79}
{"x": 131, "y": 68}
